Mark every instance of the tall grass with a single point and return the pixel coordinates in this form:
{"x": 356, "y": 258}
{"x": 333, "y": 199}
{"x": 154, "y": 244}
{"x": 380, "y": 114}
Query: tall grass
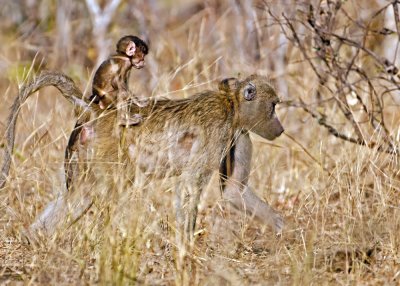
{"x": 340, "y": 201}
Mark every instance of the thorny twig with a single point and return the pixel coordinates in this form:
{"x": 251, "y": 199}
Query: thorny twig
{"x": 347, "y": 58}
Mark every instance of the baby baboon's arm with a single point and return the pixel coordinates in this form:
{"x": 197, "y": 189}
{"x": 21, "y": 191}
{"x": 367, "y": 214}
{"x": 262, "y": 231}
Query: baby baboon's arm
{"x": 235, "y": 175}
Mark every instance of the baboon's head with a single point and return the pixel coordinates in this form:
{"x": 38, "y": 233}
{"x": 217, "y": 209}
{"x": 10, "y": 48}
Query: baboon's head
{"x": 257, "y": 100}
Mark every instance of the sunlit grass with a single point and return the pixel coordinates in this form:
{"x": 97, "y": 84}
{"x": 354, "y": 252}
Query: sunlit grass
{"x": 340, "y": 201}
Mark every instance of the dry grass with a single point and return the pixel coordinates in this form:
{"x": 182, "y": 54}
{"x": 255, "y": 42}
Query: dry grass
{"x": 340, "y": 201}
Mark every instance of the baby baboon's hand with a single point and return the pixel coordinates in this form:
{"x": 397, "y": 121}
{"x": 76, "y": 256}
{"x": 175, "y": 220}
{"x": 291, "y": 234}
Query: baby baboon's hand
{"x": 141, "y": 102}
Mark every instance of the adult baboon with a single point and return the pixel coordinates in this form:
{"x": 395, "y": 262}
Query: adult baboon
{"x": 186, "y": 138}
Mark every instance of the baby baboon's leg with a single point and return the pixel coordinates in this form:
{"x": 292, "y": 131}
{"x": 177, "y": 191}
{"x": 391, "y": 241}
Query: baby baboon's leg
{"x": 124, "y": 116}
{"x": 237, "y": 192}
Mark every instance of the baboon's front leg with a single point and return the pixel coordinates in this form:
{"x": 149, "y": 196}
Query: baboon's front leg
{"x": 235, "y": 170}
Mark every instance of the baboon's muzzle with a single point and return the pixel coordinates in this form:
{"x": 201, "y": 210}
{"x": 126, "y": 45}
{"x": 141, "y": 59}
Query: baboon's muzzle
{"x": 269, "y": 129}
{"x": 276, "y": 127}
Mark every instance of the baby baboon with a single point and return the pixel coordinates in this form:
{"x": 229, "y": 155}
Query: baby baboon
{"x": 110, "y": 82}
{"x": 109, "y": 89}
{"x": 186, "y": 138}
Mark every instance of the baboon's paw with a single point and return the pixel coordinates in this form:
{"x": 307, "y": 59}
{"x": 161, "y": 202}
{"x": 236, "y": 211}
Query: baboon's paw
{"x": 278, "y": 224}
{"x": 30, "y": 238}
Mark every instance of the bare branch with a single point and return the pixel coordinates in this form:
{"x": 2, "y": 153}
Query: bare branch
{"x": 348, "y": 59}
{"x": 101, "y": 19}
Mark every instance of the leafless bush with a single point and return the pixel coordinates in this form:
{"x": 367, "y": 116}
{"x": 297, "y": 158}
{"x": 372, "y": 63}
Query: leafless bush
{"x": 345, "y": 50}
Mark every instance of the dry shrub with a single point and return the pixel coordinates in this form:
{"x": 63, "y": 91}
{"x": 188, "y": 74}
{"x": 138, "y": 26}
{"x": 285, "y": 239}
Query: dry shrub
{"x": 340, "y": 200}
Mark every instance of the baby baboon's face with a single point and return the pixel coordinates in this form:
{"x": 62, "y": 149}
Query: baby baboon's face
{"x": 257, "y": 100}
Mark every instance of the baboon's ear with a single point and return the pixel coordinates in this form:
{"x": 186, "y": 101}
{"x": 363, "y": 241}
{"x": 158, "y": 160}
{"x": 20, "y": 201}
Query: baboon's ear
{"x": 228, "y": 84}
{"x": 130, "y": 49}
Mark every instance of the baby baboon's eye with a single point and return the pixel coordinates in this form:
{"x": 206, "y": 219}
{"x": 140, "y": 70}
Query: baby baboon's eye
{"x": 250, "y": 91}
{"x": 95, "y": 98}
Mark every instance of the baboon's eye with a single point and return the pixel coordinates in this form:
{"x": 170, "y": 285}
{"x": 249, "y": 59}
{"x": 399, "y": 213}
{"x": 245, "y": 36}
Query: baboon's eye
{"x": 95, "y": 98}
{"x": 273, "y": 108}
{"x": 250, "y": 92}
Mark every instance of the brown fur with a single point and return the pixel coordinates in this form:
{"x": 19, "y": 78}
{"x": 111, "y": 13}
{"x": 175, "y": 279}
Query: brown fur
{"x": 109, "y": 89}
{"x": 110, "y": 82}
{"x": 187, "y": 138}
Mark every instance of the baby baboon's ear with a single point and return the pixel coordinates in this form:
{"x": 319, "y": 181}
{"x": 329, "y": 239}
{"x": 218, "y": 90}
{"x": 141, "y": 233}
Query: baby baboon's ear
{"x": 228, "y": 84}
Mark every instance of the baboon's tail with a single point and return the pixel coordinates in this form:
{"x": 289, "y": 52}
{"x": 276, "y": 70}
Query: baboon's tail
{"x": 59, "y": 80}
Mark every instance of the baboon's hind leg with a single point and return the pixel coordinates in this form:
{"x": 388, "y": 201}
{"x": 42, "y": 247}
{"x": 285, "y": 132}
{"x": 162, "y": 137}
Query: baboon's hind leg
{"x": 59, "y": 214}
{"x": 186, "y": 204}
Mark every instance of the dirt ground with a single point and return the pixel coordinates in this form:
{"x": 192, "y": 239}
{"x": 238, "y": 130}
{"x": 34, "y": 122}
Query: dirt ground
{"x": 340, "y": 201}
